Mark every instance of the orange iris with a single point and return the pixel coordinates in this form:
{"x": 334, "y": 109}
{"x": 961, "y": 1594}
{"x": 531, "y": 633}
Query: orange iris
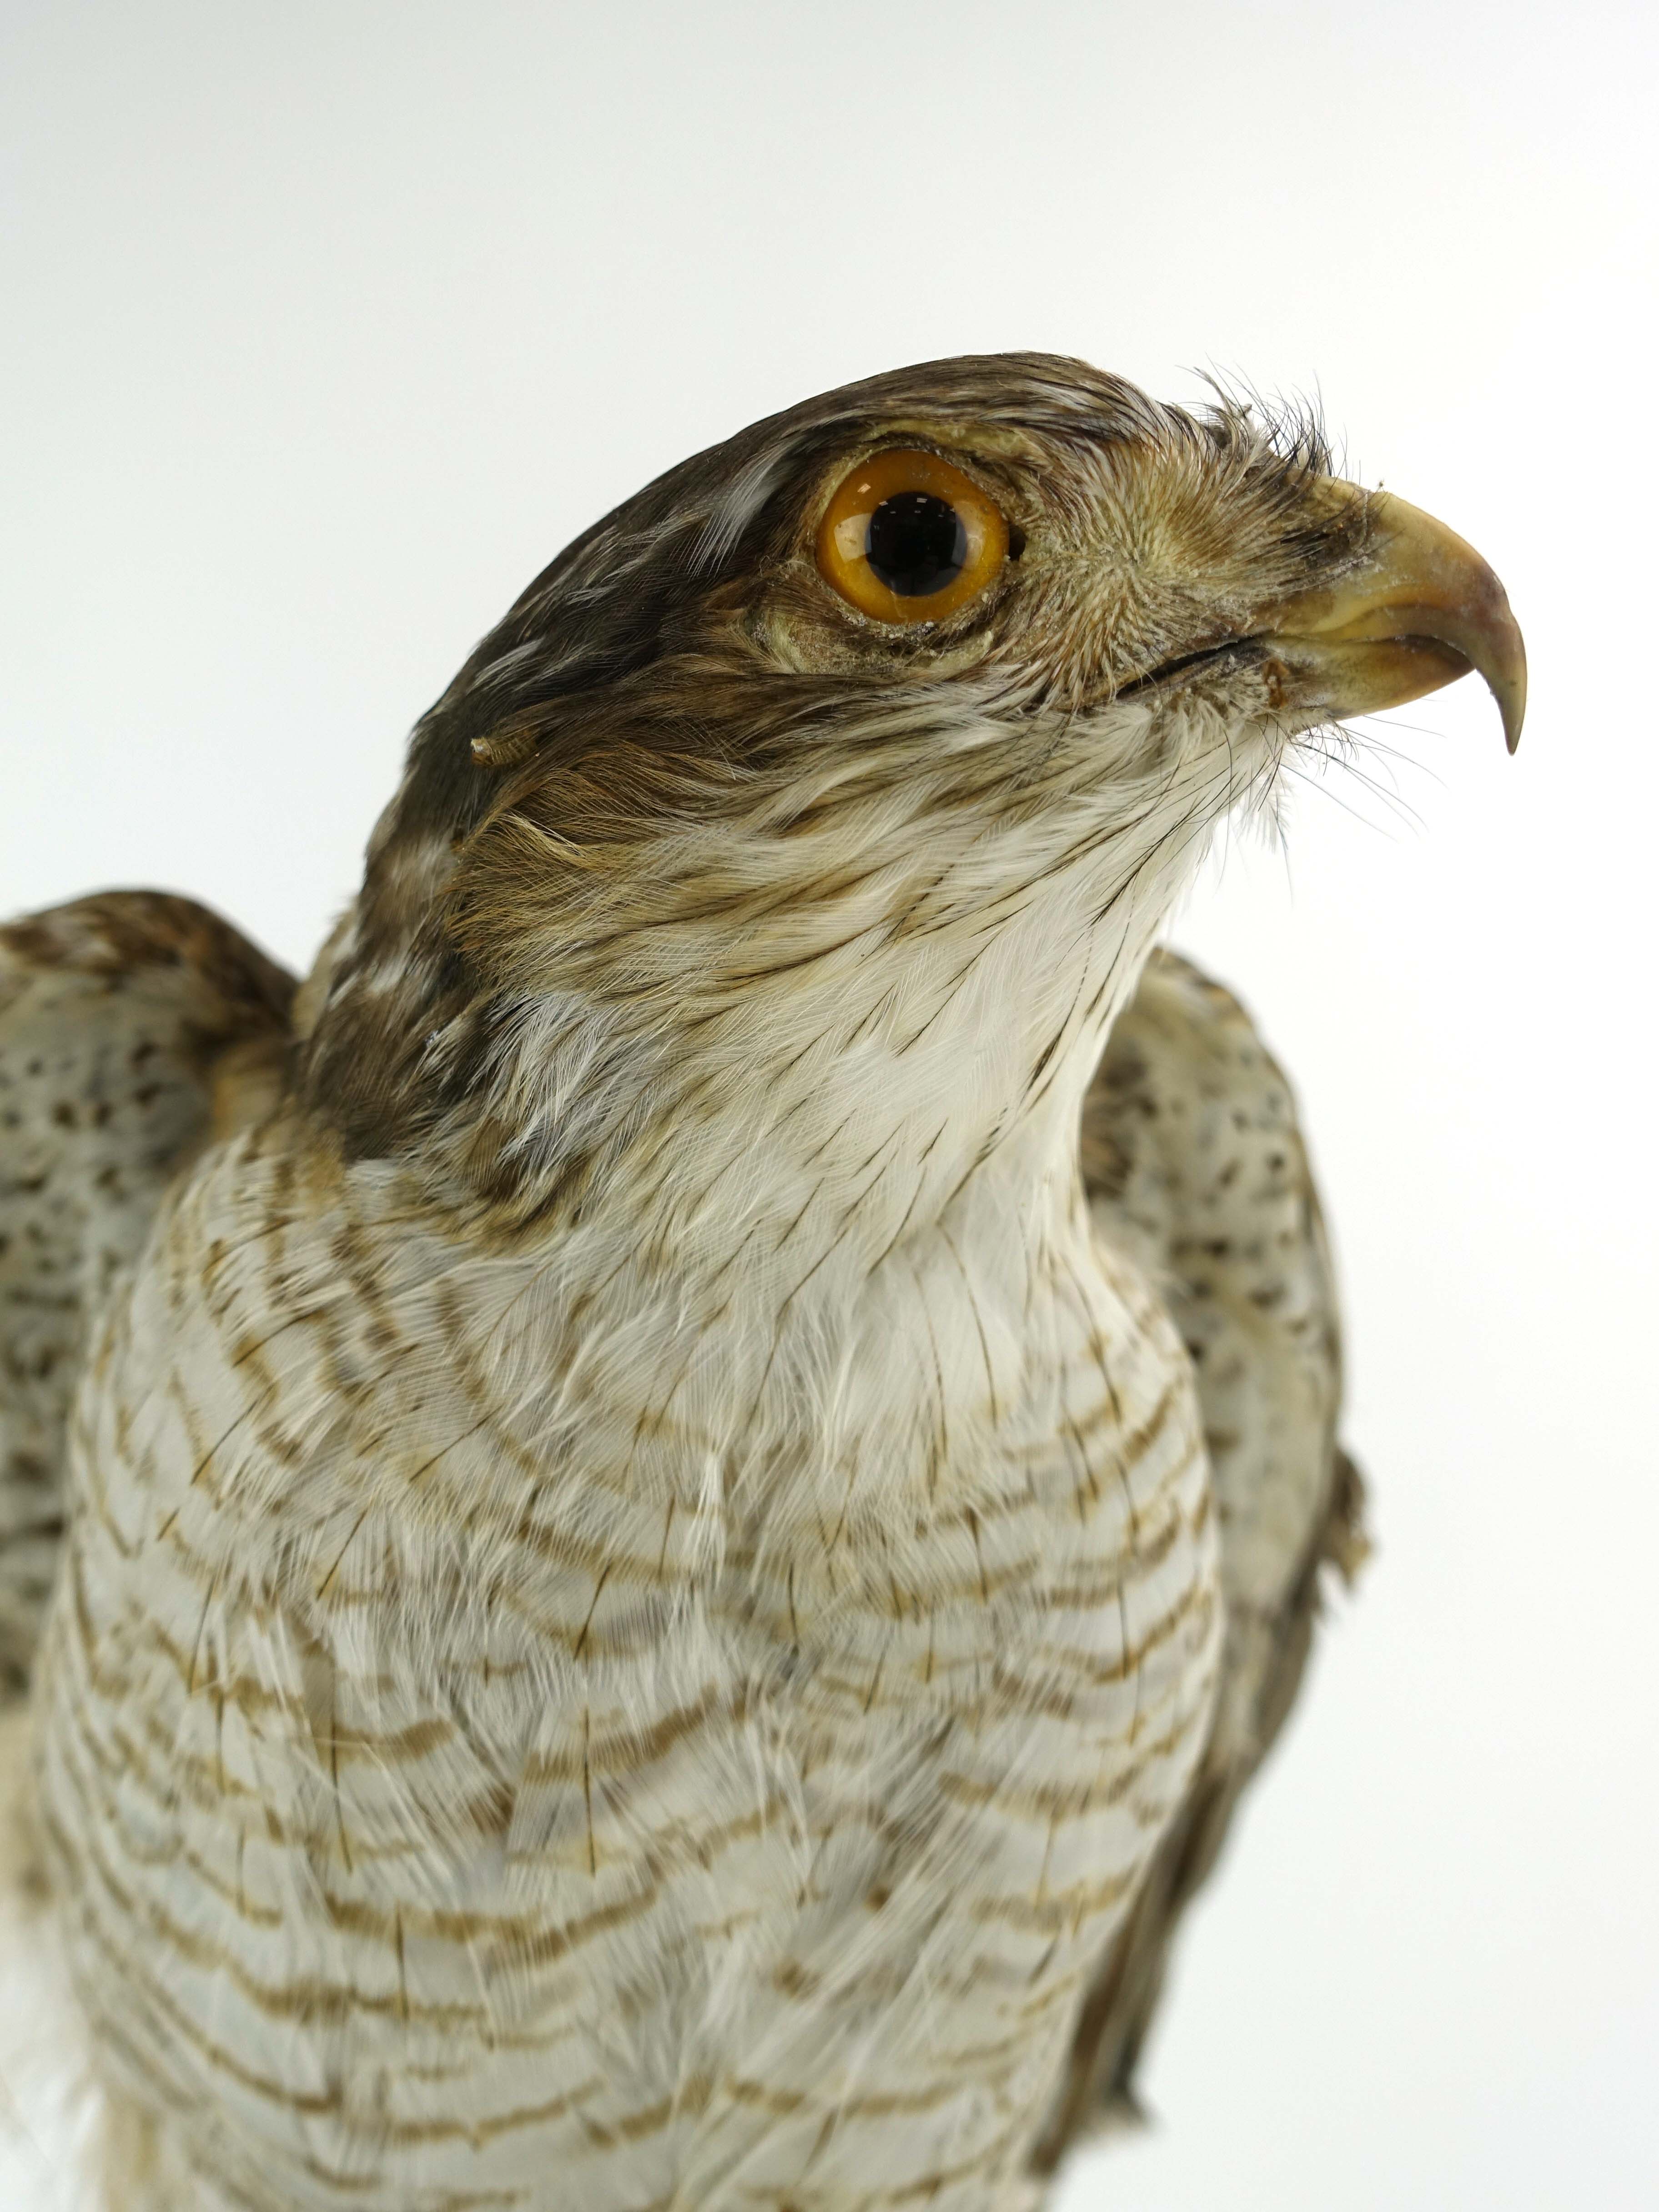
{"x": 908, "y": 537}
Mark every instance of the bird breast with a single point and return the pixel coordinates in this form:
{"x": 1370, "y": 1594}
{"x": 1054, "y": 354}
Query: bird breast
{"x": 484, "y": 1773}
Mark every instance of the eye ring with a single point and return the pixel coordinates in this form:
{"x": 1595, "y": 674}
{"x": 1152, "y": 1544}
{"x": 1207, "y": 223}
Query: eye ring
{"x": 908, "y": 537}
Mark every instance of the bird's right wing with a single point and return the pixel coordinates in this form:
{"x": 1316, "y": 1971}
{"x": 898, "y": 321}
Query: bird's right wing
{"x": 127, "y": 1021}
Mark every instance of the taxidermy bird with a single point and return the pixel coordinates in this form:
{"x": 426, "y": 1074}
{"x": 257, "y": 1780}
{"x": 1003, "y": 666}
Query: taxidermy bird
{"x": 655, "y": 1527}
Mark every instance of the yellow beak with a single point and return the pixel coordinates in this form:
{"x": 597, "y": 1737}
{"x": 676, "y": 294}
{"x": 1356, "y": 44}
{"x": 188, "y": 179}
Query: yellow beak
{"x": 1418, "y": 609}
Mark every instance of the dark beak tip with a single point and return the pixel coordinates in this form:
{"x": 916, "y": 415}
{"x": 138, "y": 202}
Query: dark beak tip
{"x": 1510, "y": 690}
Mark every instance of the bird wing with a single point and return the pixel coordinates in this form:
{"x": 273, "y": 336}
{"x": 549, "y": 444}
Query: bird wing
{"x": 1195, "y": 1167}
{"x": 130, "y": 1024}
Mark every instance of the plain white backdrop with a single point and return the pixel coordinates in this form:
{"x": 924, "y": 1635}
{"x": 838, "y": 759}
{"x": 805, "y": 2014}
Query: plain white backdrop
{"x": 324, "y": 326}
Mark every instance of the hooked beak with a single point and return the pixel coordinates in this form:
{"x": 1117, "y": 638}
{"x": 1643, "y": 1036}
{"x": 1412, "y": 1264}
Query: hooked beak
{"x": 1418, "y": 609}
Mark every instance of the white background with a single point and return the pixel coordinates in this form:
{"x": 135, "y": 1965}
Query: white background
{"x": 324, "y": 327}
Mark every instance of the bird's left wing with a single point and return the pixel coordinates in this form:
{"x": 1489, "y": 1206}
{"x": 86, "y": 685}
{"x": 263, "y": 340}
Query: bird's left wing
{"x": 127, "y": 1020}
{"x": 1195, "y": 1168}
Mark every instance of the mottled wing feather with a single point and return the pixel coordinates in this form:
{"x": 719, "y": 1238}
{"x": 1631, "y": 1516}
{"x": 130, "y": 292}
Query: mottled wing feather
{"x": 1195, "y": 1166}
{"x": 127, "y": 1021}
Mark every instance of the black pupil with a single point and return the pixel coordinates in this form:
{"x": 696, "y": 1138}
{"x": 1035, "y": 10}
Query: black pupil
{"x": 916, "y": 544}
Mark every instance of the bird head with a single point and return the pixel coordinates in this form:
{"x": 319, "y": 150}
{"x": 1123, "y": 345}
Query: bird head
{"x": 864, "y": 754}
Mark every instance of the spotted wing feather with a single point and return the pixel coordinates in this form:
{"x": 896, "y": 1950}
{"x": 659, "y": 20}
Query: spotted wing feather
{"x": 126, "y": 1021}
{"x": 1195, "y": 1165}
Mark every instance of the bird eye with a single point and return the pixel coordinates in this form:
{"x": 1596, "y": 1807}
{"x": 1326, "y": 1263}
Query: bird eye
{"x": 908, "y": 537}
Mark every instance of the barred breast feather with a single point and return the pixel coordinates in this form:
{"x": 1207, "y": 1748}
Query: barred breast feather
{"x": 601, "y": 1747}
{"x": 409, "y": 1683}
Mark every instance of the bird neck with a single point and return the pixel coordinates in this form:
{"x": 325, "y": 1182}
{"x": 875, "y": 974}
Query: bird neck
{"x": 779, "y": 1321}
{"x": 798, "y": 1084}
{"x": 856, "y": 1236}
{"x": 823, "y": 1218}
{"x": 829, "y": 1107}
